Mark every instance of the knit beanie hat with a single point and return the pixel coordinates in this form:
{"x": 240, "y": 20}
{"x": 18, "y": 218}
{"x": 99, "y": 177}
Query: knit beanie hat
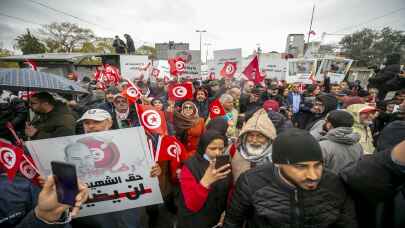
{"x": 295, "y": 145}
{"x": 340, "y": 118}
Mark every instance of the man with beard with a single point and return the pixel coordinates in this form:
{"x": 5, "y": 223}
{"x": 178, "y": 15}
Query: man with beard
{"x": 254, "y": 144}
{"x": 52, "y": 119}
{"x": 314, "y": 119}
{"x": 124, "y": 115}
{"x": 340, "y": 145}
{"x": 293, "y": 191}
{"x": 201, "y": 102}
{"x": 109, "y": 97}
{"x": 363, "y": 119}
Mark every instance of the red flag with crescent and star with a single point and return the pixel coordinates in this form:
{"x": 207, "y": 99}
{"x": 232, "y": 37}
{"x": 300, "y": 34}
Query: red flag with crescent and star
{"x": 152, "y": 120}
{"x": 180, "y": 91}
{"x": 131, "y": 92}
{"x": 170, "y": 149}
{"x": 177, "y": 65}
{"x": 10, "y": 159}
{"x": 215, "y": 109}
{"x": 229, "y": 70}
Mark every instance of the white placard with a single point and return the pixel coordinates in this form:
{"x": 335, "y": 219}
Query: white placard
{"x": 300, "y": 70}
{"x": 273, "y": 67}
{"x": 115, "y": 165}
{"x": 228, "y": 55}
{"x": 134, "y": 66}
{"x": 336, "y": 69}
{"x": 193, "y": 62}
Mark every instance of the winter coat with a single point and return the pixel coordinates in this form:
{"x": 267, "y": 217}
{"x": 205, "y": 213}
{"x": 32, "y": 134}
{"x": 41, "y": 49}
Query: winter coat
{"x": 373, "y": 182}
{"x": 263, "y": 199}
{"x": 307, "y": 120}
{"x": 392, "y": 134}
{"x": 280, "y": 122}
{"x": 14, "y": 112}
{"x": 215, "y": 202}
{"x": 17, "y": 201}
{"x": 192, "y": 137}
{"x": 202, "y": 108}
{"x": 56, "y": 123}
{"x": 366, "y": 138}
{"x": 340, "y": 146}
{"x": 131, "y": 121}
{"x": 242, "y": 161}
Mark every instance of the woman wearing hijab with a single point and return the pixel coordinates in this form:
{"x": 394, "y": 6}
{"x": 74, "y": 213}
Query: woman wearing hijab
{"x": 204, "y": 187}
{"x": 189, "y": 127}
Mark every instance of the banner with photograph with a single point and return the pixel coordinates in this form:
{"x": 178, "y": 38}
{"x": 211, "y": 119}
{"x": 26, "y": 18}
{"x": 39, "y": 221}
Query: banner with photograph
{"x": 115, "y": 165}
{"x": 335, "y": 68}
{"x": 192, "y": 62}
{"x": 300, "y": 70}
{"x": 228, "y": 56}
{"x": 135, "y": 66}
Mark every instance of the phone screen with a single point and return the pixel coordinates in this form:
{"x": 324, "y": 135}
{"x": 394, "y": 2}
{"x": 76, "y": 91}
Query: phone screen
{"x": 221, "y": 161}
{"x": 65, "y": 181}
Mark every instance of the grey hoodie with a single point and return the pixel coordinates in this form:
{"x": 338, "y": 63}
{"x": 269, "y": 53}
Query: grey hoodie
{"x": 340, "y": 146}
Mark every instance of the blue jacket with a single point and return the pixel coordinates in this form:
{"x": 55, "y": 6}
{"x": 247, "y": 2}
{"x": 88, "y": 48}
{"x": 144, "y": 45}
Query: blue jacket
{"x": 17, "y": 203}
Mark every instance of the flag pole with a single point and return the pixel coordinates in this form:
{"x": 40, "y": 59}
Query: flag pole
{"x": 310, "y": 25}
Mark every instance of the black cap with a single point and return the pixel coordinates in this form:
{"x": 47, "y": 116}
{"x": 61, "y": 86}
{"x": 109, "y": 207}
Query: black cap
{"x": 295, "y": 145}
{"x": 340, "y": 118}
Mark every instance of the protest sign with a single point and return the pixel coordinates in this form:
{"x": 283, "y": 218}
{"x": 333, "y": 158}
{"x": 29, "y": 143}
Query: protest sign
{"x": 228, "y": 56}
{"x": 300, "y": 70}
{"x": 115, "y": 165}
{"x": 192, "y": 62}
{"x": 273, "y": 67}
{"x": 335, "y": 68}
{"x": 135, "y": 66}
{"x": 163, "y": 69}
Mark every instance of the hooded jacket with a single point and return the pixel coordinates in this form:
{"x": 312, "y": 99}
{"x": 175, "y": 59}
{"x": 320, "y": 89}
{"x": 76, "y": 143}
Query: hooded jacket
{"x": 340, "y": 146}
{"x": 366, "y": 138}
{"x": 242, "y": 160}
{"x": 316, "y": 122}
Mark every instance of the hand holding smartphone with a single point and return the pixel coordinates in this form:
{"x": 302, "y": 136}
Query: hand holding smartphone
{"x": 66, "y": 182}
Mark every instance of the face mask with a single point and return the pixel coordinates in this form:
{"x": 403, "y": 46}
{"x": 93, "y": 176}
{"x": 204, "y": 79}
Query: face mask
{"x": 205, "y": 156}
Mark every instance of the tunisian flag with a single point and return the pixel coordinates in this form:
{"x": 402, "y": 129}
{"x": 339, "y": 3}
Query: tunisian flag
{"x": 215, "y": 109}
{"x": 229, "y": 70}
{"x": 28, "y": 170}
{"x": 180, "y": 92}
{"x": 132, "y": 92}
{"x": 10, "y": 159}
{"x": 109, "y": 75}
{"x": 252, "y": 71}
{"x": 177, "y": 65}
{"x": 170, "y": 149}
{"x": 152, "y": 120}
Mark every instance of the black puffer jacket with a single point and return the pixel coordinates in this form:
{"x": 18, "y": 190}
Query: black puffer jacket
{"x": 262, "y": 199}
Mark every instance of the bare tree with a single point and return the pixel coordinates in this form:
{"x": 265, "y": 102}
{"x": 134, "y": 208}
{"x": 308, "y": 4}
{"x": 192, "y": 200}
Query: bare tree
{"x": 65, "y": 36}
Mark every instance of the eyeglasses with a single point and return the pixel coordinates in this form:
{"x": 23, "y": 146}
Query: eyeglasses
{"x": 189, "y": 107}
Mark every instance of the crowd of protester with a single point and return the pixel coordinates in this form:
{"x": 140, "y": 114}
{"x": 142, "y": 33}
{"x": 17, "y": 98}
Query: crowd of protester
{"x": 321, "y": 155}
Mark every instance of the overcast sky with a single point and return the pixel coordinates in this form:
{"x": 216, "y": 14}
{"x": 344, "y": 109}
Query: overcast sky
{"x": 229, "y": 23}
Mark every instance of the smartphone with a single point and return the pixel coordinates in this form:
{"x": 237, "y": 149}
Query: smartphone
{"x": 221, "y": 161}
{"x": 65, "y": 181}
